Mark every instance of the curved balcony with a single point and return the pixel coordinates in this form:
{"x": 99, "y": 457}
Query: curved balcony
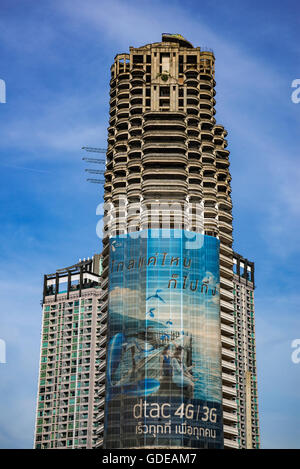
{"x": 111, "y": 139}
{"x": 195, "y": 190}
{"x": 194, "y": 155}
{"x": 209, "y": 181}
{"x": 192, "y": 109}
{"x": 134, "y": 164}
{"x": 119, "y": 181}
{"x": 166, "y": 186}
{"x": 123, "y": 102}
{"x": 123, "y": 75}
{"x": 167, "y": 115}
{"x": 194, "y": 166}
{"x": 206, "y": 114}
{"x": 219, "y": 142}
{"x": 121, "y": 147}
{"x": 193, "y": 131}
{"x": 156, "y": 124}
{"x": 112, "y": 110}
{"x": 123, "y": 86}
{"x": 136, "y": 109}
{"x": 151, "y": 134}
{"x": 121, "y": 134}
{"x": 195, "y": 178}
{"x": 210, "y": 227}
{"x": 211, "y": 212}
{"x": 121, "y": 124}
{"x": 122, "y": 113}
{"x": 135, "y": 140}
{"x": 108, "y": 186}
{"x": 136, "y": 72}
{"x": 225, "y": 205}
{"x": 219, "y": 129}
{"x": 112, "y": 82}
{"x": 113, "y": 101}
{"x": 206, "y": 78}
{"x": 136, "y": 89}
{"x": 136, "y": 100}
{"x": 222, "y": 164}
{"x": 137, "y": 82}
{"x": 164, "y": 158}
{"x": 122, "y": 81}
{"x": 225, "y": 227}
{"x": 112, "y": 121}
{"x": 136, "y": 132}
{"x": 222, "y": 153}
{"x": 135, "y": 121}
{"x": 123, "y": 93}
{"x": 165, "y": 145}
{"x": 120, "y": 157}
{"x": 190, "y": 73}
{"x": 207, "y": 136}
{"x": 134, "y": 153}
{"x": 134, "y": 189}
{"x": 166, "y": 172}
{"x": 192, "y": 83}
{"x": 223, "y": 186}
{"x": 209, "y": 191}
{"x": 120, "y": 168}
{"x": 192, "y": 88}
{"x": 193, "y": 144}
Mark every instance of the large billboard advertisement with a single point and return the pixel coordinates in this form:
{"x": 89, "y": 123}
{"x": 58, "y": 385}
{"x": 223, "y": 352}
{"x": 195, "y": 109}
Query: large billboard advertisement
{"x": 163, "y": 376}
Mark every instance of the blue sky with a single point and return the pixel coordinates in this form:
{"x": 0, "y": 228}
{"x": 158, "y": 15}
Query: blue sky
{"x": 55, "y": 58}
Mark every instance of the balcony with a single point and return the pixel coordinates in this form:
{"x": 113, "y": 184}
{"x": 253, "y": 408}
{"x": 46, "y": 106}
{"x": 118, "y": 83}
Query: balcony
{"x": 228, "y": 365}
{"x": 230, "y": 390}
{"x": 230, "y": 430}
{"x": 165, "y": 145}
{"x": 230, "y": 444}
{"x": 226, "y": 307}
{"x": 228, "y": 416}
{"x": 231, "y": 403}
{"x": 226, "y": 329}
{"x": 224, "y": 271}
{"x": 172, "y": 133}
{"x": 228, "y": 354}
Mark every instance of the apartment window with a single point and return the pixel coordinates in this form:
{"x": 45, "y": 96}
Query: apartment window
{"x": 138, "y": 59}
{"x": 164, "y": 91}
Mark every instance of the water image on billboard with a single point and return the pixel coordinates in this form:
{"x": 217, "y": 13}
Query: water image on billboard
{"x": 163, "y": 377}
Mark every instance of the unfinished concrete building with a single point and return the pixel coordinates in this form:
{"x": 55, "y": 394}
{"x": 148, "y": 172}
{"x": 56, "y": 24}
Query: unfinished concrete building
{"x": 164, "y": 145}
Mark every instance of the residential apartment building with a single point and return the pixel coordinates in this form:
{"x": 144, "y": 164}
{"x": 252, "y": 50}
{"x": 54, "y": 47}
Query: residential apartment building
{"x": 72, "y": 358}
{"x": 245, "y": 350}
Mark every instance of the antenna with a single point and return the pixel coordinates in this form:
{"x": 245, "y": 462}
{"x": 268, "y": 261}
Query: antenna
{"x": 94, "y": 150}
{"x": 95, "y": 161}
{"x": 95, "y": 171}
{"x": 96, "y": 181}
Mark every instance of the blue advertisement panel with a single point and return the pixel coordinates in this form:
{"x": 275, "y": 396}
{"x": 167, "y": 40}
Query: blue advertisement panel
{"x": 163, "y": 376}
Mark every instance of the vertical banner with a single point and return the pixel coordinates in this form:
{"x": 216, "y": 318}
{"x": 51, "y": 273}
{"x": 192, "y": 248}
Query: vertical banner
{"x": 163, "y": 375}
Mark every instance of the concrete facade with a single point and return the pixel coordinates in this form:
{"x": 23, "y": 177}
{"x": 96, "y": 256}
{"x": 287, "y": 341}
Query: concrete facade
{"x": 246, "y": 373}
{"x": 72, "y": 359}
{"x": 164, "y": 146}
